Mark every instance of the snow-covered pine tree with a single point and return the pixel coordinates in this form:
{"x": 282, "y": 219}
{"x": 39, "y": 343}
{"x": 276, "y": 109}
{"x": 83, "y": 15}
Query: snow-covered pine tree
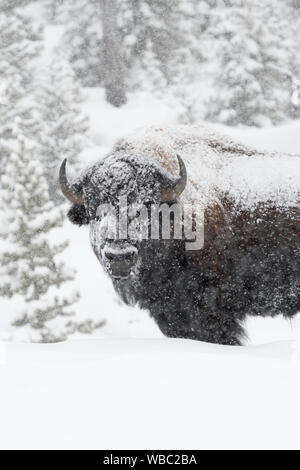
{"x": 257, "y": 58}
{"x": 113, "y": 65}
{"x": 197, "y": 62}
{"x": 83, "y": 39}
{"x": 155, "y": 33}
{"x": 19, "y": 46}
{"x": 29, "y": 267}
{"x": 7, "y": 5}
{"x": 52, "y": 10}
{"x": 64, "y": 128}
{"x": 152, "y": 39}
{"x": 295, "y": 4}
{"x": 294, "y": 18}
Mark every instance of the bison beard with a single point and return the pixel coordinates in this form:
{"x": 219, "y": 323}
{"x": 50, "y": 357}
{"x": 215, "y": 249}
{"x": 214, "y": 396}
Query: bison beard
{"x": 249, "y": 264}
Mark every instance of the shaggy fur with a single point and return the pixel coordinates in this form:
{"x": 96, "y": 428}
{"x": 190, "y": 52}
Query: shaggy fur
{"x": 253, "y": 269}
{"x": 249, "y": 265}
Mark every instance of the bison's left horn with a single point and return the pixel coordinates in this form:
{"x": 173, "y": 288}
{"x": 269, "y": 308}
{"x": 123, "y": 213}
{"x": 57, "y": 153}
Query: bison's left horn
{"x": 171, "y": 194}
{"x": 66, "y": 188}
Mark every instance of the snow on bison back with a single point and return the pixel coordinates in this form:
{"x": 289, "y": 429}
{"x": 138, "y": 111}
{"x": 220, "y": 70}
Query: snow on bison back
{"x": 246, "y": 200}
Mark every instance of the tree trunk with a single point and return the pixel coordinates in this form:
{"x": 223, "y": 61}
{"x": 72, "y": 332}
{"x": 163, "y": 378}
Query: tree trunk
{"x": 114, "y": 70}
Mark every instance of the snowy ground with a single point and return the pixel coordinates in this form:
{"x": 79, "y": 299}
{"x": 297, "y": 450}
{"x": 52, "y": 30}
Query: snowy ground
{"x": 148, "y": 394}
{"x": 127, "y": 386}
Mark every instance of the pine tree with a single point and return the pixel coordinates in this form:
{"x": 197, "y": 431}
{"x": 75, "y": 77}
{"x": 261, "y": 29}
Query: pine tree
{"x": 30, "y": 271}
{"x": 52, "y": 8}
{"x": 126, "y": 43}
{"x": 295, "y": 4}
{"x": 64, "y": 128}
{"x": 29, "y": 266}
{"x": 156, "y": 32}
{"x": 257, "y": 60}
{"x": 19, "y": 46}
{"x": 112, "y": 57}
{"x": 8, "y": 5}
{"x": 197, "y": 61}
{"x": 83, "y": 39}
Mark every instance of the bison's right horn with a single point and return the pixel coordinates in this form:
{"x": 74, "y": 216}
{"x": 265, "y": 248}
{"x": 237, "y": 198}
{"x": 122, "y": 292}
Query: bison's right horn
{"x": 173, "y": 192}
{"x": 66, "y": 188}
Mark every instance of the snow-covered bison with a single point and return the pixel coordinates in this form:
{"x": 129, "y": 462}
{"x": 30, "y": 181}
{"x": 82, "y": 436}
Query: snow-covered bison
{"x": 249, "y": 263}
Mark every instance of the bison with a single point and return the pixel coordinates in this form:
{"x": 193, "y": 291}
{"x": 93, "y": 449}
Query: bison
{"x": 247, "y": 203}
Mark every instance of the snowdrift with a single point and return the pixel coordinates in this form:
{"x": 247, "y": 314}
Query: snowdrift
{"x": 159, "y": 393}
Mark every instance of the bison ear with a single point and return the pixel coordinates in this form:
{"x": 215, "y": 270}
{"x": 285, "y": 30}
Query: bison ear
{"x": 78, "y": 215}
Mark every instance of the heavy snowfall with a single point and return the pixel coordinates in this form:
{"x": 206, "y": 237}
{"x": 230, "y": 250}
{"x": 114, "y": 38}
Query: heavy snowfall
{"x": 78, "y": 368}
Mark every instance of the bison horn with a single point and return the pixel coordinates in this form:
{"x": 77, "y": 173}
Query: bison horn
{"x": 172, "y": 193}
{"x": 71, "y": 195}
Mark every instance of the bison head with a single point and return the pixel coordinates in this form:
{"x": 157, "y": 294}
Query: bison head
{"x": 119, "y": 188}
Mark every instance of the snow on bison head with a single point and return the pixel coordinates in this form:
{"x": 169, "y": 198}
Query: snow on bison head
{"x": 117, "y": 197}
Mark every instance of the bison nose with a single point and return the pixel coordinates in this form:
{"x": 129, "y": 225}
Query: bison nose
{"x": 120, "y": 263}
